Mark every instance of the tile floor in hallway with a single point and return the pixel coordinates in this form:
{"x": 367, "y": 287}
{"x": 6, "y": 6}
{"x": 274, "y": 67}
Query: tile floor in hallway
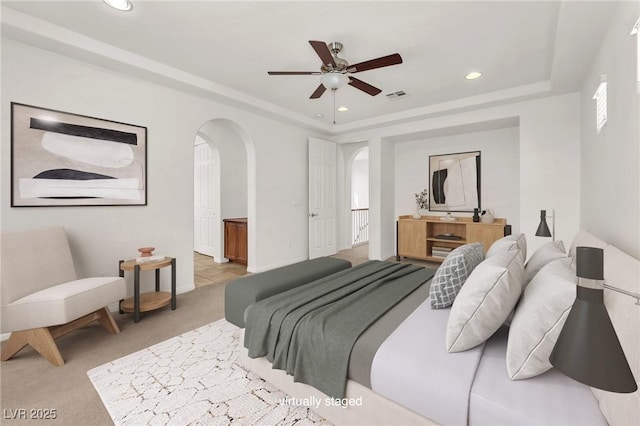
{"x": 207, "y": 272}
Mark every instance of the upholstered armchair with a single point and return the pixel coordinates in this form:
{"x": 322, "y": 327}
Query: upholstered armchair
{"x": 42, "y": 298}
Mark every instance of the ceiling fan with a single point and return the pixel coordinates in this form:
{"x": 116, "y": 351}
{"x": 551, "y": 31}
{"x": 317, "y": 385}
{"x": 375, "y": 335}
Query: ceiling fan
{"x": 335, "y": 70}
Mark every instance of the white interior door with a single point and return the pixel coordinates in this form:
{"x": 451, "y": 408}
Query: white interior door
{"x": 322, "y": 198}
{"x": 204, "y": 206}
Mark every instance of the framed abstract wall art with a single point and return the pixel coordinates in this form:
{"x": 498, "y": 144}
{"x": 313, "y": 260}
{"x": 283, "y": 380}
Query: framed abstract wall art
{"x": 454, "y": 180}
{"x": 64, "y": 159}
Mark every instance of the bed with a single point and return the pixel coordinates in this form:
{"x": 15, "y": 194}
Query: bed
{"x": 400, "y": 372}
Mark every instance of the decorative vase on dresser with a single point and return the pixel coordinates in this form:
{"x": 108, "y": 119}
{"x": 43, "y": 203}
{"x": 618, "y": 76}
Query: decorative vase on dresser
{"x": 417, "y": 214}
{"x": 487, "y": 217}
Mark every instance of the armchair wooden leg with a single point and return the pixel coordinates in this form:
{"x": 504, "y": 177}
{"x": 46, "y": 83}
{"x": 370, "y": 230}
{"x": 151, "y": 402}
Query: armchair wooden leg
{"x": 107, "y": 320}
{"x": 16, "y": 342}
{"x": 38, "y": 338}
{"x": 42, "y": 339}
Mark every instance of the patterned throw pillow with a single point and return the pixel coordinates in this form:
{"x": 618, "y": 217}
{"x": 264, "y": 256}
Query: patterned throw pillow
{"x": 452, "y": 274}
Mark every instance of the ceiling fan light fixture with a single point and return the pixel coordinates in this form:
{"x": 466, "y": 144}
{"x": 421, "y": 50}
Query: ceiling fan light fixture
{"x": 124, "y": 5}
{"x": 473, "y": 75}
{"x": 334, "y": 80}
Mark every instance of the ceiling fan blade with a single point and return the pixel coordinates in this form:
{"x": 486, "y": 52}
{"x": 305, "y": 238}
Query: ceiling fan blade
{"x": 294, "y": 72}
{"x": 319, "y": 91}
{"x": 365, "y": 87}
{"x": 323, "y": 51}
{"x": 384, "y": 61}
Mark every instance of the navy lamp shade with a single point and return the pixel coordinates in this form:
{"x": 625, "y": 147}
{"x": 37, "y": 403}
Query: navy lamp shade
{"x": 543, "y": 228}
{"x": 588, "y": 349}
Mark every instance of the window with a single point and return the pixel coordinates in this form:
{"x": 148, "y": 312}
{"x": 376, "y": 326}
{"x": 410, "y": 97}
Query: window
{"x": 634, "y": 32}
{"x": 601, "y": 103}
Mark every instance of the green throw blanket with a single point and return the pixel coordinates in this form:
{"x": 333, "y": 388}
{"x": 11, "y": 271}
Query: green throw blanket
{"x": 310, "y": 330}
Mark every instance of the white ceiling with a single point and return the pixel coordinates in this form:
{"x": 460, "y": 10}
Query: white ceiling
{"x": 524, "y": 49}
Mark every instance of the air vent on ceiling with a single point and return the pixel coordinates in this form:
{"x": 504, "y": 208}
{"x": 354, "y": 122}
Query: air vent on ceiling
{"x": 396, "y": 95}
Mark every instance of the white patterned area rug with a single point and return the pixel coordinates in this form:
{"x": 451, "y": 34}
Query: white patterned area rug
{"x": 193, "y": 379}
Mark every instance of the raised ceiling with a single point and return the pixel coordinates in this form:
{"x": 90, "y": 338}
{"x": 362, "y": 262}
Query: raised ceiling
{"x": 524, "y": 49}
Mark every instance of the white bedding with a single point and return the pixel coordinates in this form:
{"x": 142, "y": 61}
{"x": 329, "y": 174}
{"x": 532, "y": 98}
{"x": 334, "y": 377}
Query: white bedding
{"x": 413, "y": 368}
{"x": 549, "y": 399}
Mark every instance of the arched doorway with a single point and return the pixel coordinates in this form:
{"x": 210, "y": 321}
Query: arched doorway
{"x": 360, "y": 197}
{"x": 223, "y": 166}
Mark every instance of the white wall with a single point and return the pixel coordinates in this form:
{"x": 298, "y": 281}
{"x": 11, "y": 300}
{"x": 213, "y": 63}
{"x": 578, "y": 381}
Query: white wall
{"x": 550, "y": 166}
{"x": 610, "y": 173}
{"x": 100, "y": 236}
{"x": 499, "y": 163}
{"x": 382, "y": 219}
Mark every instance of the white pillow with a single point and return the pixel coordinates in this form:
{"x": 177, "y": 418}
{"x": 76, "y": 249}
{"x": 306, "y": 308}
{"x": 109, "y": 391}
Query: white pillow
{"x": 547, "y": 252}
{"x": 485, "y": 300}
{"x": 508, "y": 243}
{"x": 539, "y": 317}
{"x": 583, "y": 238}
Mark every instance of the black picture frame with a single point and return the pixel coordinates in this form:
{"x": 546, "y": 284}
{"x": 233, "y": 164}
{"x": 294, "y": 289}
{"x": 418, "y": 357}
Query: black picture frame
{"x": 454, "y": 182}
{"x": 65, "y": 159}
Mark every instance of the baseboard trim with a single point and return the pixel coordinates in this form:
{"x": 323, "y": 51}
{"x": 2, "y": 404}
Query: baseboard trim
{"x": 276, "y": 265}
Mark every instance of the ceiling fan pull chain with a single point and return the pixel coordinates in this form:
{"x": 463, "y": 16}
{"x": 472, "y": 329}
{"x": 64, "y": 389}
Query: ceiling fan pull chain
{"x": 334, "y": 105}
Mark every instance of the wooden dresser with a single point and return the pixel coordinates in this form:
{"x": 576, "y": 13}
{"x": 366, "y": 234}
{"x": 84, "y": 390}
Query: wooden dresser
{"x": 235, "y": 240}
{"x": 418, "y": 238}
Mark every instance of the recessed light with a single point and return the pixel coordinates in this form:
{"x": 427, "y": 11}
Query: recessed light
{"x": 124, "y": 5}
{"x": 343, "y": 108}
{"x": 319, "y": 115}
{"x": 473, "y": 75}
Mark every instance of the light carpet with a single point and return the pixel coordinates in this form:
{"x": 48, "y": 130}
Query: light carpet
{"x": 193, "y": 379}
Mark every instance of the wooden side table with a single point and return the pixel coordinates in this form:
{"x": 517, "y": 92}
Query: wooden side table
{"x": 148, "y": 301}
